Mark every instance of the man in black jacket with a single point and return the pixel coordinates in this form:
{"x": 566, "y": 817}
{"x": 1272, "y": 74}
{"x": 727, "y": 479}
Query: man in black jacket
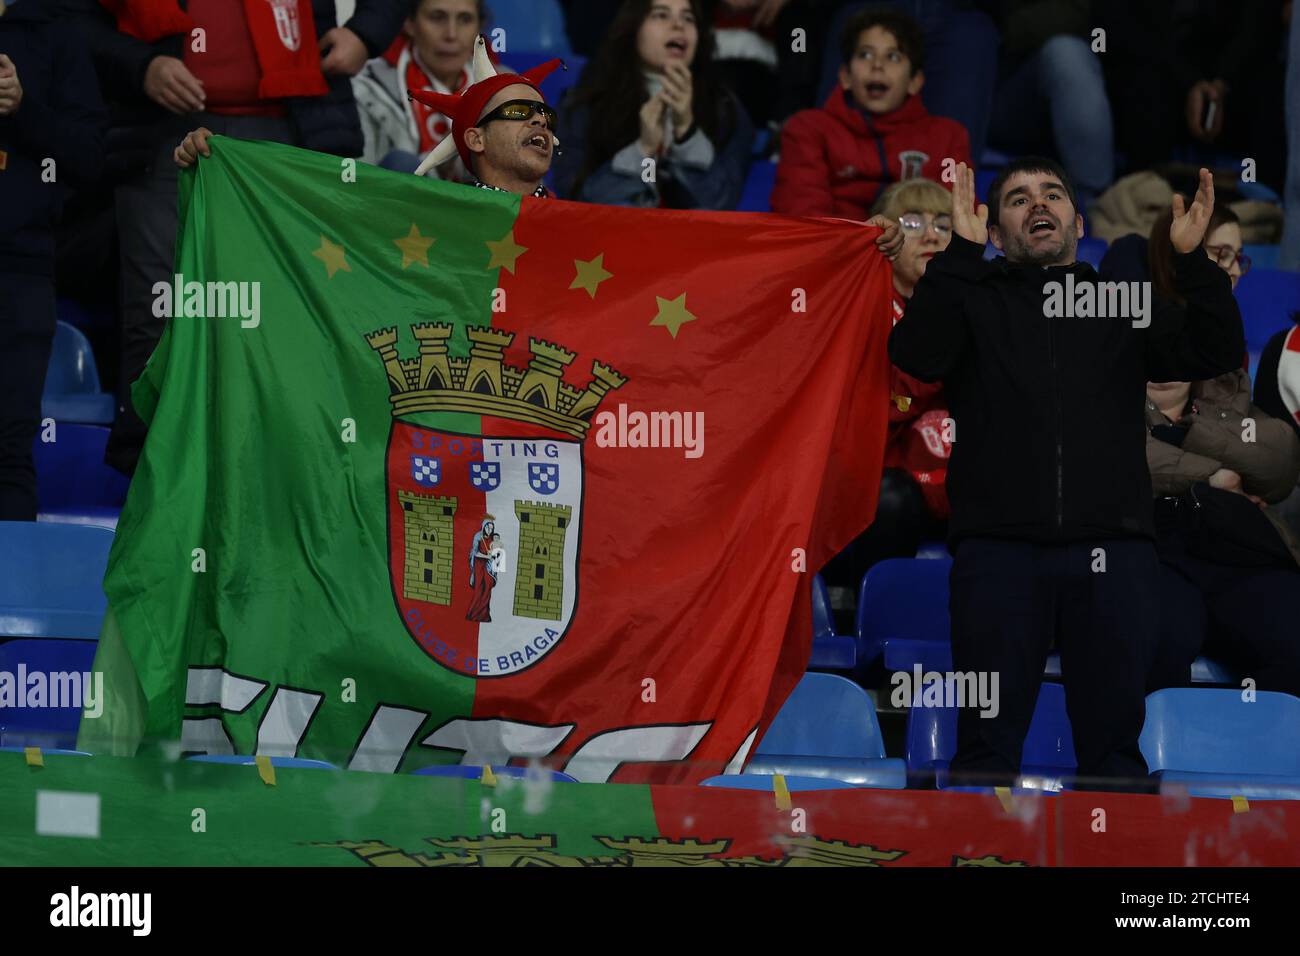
{"x": 157, "y": 94}
{"x": 1051, "y": 525}
{"x": 51, "y": 133}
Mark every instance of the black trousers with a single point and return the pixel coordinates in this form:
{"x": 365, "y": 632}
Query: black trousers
{"x": 1244, "y": 618}
{"x": 146, "y": 225}
{"x": 26, "y": 333}
{"x": 1011, "y": 602}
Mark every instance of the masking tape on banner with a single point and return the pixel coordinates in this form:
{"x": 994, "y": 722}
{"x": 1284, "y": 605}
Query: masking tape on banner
{"x": 782, "y": 792}
{"x": 1240, "y": 805}
{"x": 34, "y": 756}
{"x": 489, "y": 779}
{"x": 265, "y": 769}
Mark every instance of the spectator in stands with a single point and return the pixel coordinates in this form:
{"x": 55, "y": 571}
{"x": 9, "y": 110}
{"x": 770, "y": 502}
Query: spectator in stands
{"x": 51, "y": 133}
{"x": 961, "y": 46}
{"x": 501, "y": 128}
{"x": 872, "y": 130}
{"x": 1050, "y": 82}
{"x": 1196, "y": 72}
{"x": 1277, "y": 392}
{"x": 1048, "y": 479}
{"x": 1289, "y": 255}
{"x": 255, "y": 72}
{"x": 1230, "y": 567}
{"x": 433, "y": 53}
{"x": 1135, "y": 258}
{"x": 913, "y": 502}
{"x": 649, "y": 124}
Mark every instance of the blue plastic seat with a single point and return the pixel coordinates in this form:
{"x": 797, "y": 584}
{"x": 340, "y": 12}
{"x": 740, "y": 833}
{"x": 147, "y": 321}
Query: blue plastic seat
{"x": 757, "y": 195}
{"x": 903, "y": 613}
{"x": 51, "y": 579}
{"x": 1267, "y": 297}
{"x": 1048, "y": 752}
{"x": 470, "y": 772}
{"x": 244, "y": 760}
{"x": 48, "y": 727}
{"x": 1204, "y": 670}
{"x": 1091, "y": 250}
{"x": 828, "y": 728}
{"x": 1218, "y": 745}
{"x": 757, "y": 781}
{"x": 73, "y": 485}
{"x": 72, "y": 392}
{"x": 531, "y": 25}
{"x": 830, "y": 651}
{"x": 1263, "y": 255}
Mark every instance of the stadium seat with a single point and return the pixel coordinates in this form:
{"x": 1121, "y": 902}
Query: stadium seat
{"x": 1091, "y": 250}
{"x": 532, "y": 25}
{"x": 828, "y": 728}
{"x": 903, "y": 614}
{"x": 244, "y": 760}
{"x": 1267, "y": 298}
{"x": 72, "y": 391}
{"x": 51, "y": 579}
{"x": 48, "y": 727}
{"x": 1204, "y": 671}
{"x": 1263, "y": 255}
{"x": 469, "y": 772}
{"x": 73, "y": 485}
{"x": 1048, "y": 753}
{"x": 1215, "y": 744}
{"x": 830, "y": 651}
{"x": 764, "y": 781}
{"x": 757, "y": 196}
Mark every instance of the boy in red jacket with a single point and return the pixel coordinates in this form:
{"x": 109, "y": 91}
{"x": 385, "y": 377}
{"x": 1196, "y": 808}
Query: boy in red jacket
{"x": 837, "y": 160}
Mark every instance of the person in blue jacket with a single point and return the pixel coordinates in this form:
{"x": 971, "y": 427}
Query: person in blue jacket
{"x": 51, "y": 135}
{"x": 649, "y": 125}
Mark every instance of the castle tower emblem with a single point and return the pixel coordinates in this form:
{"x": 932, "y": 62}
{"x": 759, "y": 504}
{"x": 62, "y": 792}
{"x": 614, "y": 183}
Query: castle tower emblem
{"x": 485, "y": 485}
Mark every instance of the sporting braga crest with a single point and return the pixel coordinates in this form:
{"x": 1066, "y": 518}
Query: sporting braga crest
{"x": 485, "y": 517}
{"x": 286, "y": 23}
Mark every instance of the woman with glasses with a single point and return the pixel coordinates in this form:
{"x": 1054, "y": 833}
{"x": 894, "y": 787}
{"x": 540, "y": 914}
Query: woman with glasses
{"x": 913, "y": 500}
{"x": 1230, "y": 568}
{"x": 649, "y": 124}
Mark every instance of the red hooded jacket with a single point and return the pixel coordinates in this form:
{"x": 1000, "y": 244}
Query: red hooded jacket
{"x": 836, "y": 160}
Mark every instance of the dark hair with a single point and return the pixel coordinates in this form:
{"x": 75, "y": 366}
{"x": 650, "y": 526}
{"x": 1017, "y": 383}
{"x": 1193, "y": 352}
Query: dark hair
{"x": 1027, "y": 164}
{"x": 484, "y": 14}
{"x": 613, "y": 90}
{"x": 907, "y": 34}
{"x": 1160, "y": 251}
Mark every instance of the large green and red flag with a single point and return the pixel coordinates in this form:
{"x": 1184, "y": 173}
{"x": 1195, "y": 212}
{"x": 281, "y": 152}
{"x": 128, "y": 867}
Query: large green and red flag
{"x": 436, "y": 474}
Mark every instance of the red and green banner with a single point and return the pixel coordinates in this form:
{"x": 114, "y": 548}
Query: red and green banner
{"x": 99, "y": 811}
{"x": 436, "y": 474}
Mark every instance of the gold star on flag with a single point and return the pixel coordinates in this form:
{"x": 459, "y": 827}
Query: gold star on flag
{"x": 505, "y": 253}
{"x": 333, "y": 257}
{"x": 415, "y": 247}
{"x": 672, "y": 314}
{"x": 590, "y": 274}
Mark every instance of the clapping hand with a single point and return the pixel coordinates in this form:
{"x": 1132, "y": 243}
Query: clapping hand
{"x": 968, "y": 221}
{"x": 1187, "y": 231}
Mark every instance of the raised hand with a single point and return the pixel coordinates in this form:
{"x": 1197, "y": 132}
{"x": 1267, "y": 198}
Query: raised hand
{"x": 1187, "y": 231}
{"x": 678, "y": 91}
{"x": 968, "y": 221}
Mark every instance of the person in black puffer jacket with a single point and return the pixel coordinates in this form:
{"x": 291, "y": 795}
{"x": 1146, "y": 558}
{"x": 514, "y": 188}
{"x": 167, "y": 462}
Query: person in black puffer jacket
{"x": 51, "y": 135}
{"x": 255, "y": 76}
{"x": 1051, "y": 529}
